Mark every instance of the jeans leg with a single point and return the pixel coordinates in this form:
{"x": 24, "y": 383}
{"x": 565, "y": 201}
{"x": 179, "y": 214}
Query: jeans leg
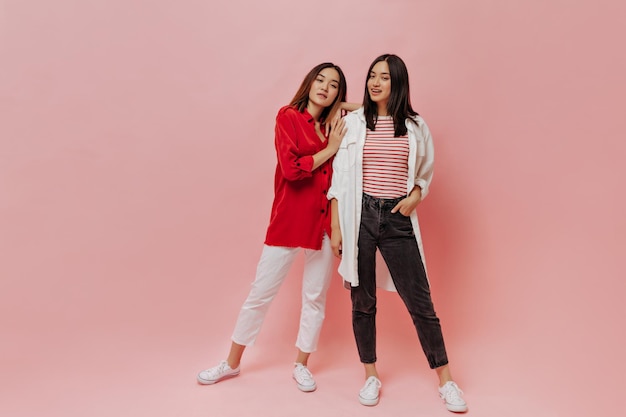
{"x": 271, "y": 272}
{"x": 364, "y": 295}
{"x": 315, "y": 282}
{"x": 400, "y": 251}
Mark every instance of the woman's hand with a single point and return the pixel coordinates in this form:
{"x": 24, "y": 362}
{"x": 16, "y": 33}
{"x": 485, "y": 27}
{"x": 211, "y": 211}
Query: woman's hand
{"x": 337, "y": 132}
{"x": 408, "y": 204}
{"x": 335, "y": 229}
{"x": 335, "y": 241}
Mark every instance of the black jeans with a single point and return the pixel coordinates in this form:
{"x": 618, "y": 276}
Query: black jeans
{"x": 392, "y": 234}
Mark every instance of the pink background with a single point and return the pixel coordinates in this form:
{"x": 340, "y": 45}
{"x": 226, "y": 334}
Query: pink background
{"x": 136, "y": 166}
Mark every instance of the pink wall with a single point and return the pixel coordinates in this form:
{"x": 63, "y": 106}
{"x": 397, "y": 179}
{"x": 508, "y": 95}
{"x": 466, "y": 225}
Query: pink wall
{"x": 136, "y": 167}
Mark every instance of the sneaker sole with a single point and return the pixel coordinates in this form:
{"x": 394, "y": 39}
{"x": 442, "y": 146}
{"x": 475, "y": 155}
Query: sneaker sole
{"x": 211, "y": 382}
{"x": 456, "y": 408}
{"x": 367, "y": 402}
{"x": 306, "y": 388}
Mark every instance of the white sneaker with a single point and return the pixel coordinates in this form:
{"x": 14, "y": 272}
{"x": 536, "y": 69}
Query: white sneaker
{"x": 217, "y": 373}
{"x": 304, "y": 378}
{"x": 450, "y": 393}
{"x": 369, "y": 394}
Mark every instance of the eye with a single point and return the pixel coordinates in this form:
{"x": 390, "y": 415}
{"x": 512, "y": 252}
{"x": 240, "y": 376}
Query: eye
{"x": 335, "y": 86}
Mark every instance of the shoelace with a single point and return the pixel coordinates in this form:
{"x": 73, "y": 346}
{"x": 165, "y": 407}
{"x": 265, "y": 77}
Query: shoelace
{"x": 453, "y": 393}
{"x": 218, "y": 370}
{"x": 303, "y": 373}
{"x": 370, "y": 386}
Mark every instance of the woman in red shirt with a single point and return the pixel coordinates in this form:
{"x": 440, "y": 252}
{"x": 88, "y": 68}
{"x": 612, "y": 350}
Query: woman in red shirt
{"x": 300, "y": 220}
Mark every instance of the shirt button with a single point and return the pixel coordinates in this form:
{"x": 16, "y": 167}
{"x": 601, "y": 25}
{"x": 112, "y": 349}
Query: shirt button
{"x": 322, "y": 210}
{"x": 324, "y": 170}
{"x": 298, "y": 164}
{"x": 324, "y": 192}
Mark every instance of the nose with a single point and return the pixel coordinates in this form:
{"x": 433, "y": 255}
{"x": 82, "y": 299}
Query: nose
{"x": 376, "y": 81}
{"x": 325, "y": 86}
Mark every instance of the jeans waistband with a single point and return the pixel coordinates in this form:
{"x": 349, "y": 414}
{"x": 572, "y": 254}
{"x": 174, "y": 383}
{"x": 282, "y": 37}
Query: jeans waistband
{"x": 381, "y": 202}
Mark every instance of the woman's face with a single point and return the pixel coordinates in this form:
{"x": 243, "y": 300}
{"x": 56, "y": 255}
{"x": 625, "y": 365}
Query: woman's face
{"x": 325, "y": 87}
{"x": 379, "y": 84}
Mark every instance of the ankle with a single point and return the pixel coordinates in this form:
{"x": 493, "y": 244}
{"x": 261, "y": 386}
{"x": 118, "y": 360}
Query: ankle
{"x": 444, "y": 382}
{"x": 370, "y": 370}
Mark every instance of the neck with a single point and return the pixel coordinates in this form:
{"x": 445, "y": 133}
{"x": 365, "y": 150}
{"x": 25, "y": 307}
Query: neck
{"x": 382, "y": 109}
{"x": 314, "y": 110}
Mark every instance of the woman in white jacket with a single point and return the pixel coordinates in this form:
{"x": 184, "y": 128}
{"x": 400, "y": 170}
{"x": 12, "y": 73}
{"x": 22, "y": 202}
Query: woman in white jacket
{"x": 380, "y": 174}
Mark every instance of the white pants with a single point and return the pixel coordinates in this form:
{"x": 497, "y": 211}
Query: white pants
{"x": 271, "y": 271}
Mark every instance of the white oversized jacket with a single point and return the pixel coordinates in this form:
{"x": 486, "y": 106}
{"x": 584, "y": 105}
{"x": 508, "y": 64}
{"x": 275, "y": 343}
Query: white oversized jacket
{"x": 347, "y": 188}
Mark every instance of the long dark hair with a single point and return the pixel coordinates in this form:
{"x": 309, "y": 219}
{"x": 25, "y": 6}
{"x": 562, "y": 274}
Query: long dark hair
{"x": 399, "y": 104}
{"x": 301, "y": 99}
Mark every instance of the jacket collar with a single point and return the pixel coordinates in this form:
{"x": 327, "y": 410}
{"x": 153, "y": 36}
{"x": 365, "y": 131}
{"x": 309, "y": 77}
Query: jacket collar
{"x": 360, "y": 113}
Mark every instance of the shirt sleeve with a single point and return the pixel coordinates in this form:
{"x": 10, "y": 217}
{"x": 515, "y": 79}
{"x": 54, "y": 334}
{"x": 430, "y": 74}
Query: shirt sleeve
{"x": 333, "y": 191}
{"x": 424, "y": 173}
{"x": 292, "y": 165}
{"x": 344, "y": 172}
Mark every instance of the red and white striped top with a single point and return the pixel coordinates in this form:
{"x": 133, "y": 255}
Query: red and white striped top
{"x": 385, "y": 161}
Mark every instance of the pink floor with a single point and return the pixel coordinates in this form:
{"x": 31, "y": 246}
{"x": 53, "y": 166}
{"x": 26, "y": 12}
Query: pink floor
{"x": 145, "y": 362}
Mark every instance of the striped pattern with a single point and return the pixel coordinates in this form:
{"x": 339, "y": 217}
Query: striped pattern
{"x": 385, "y": 161}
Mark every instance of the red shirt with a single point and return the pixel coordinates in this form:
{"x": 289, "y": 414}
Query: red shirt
{"x": 300, "y": 212}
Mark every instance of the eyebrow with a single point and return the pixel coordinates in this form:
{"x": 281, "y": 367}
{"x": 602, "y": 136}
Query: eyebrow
{"x": 319, "y": 74}
{"x": 382, "y": 73}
